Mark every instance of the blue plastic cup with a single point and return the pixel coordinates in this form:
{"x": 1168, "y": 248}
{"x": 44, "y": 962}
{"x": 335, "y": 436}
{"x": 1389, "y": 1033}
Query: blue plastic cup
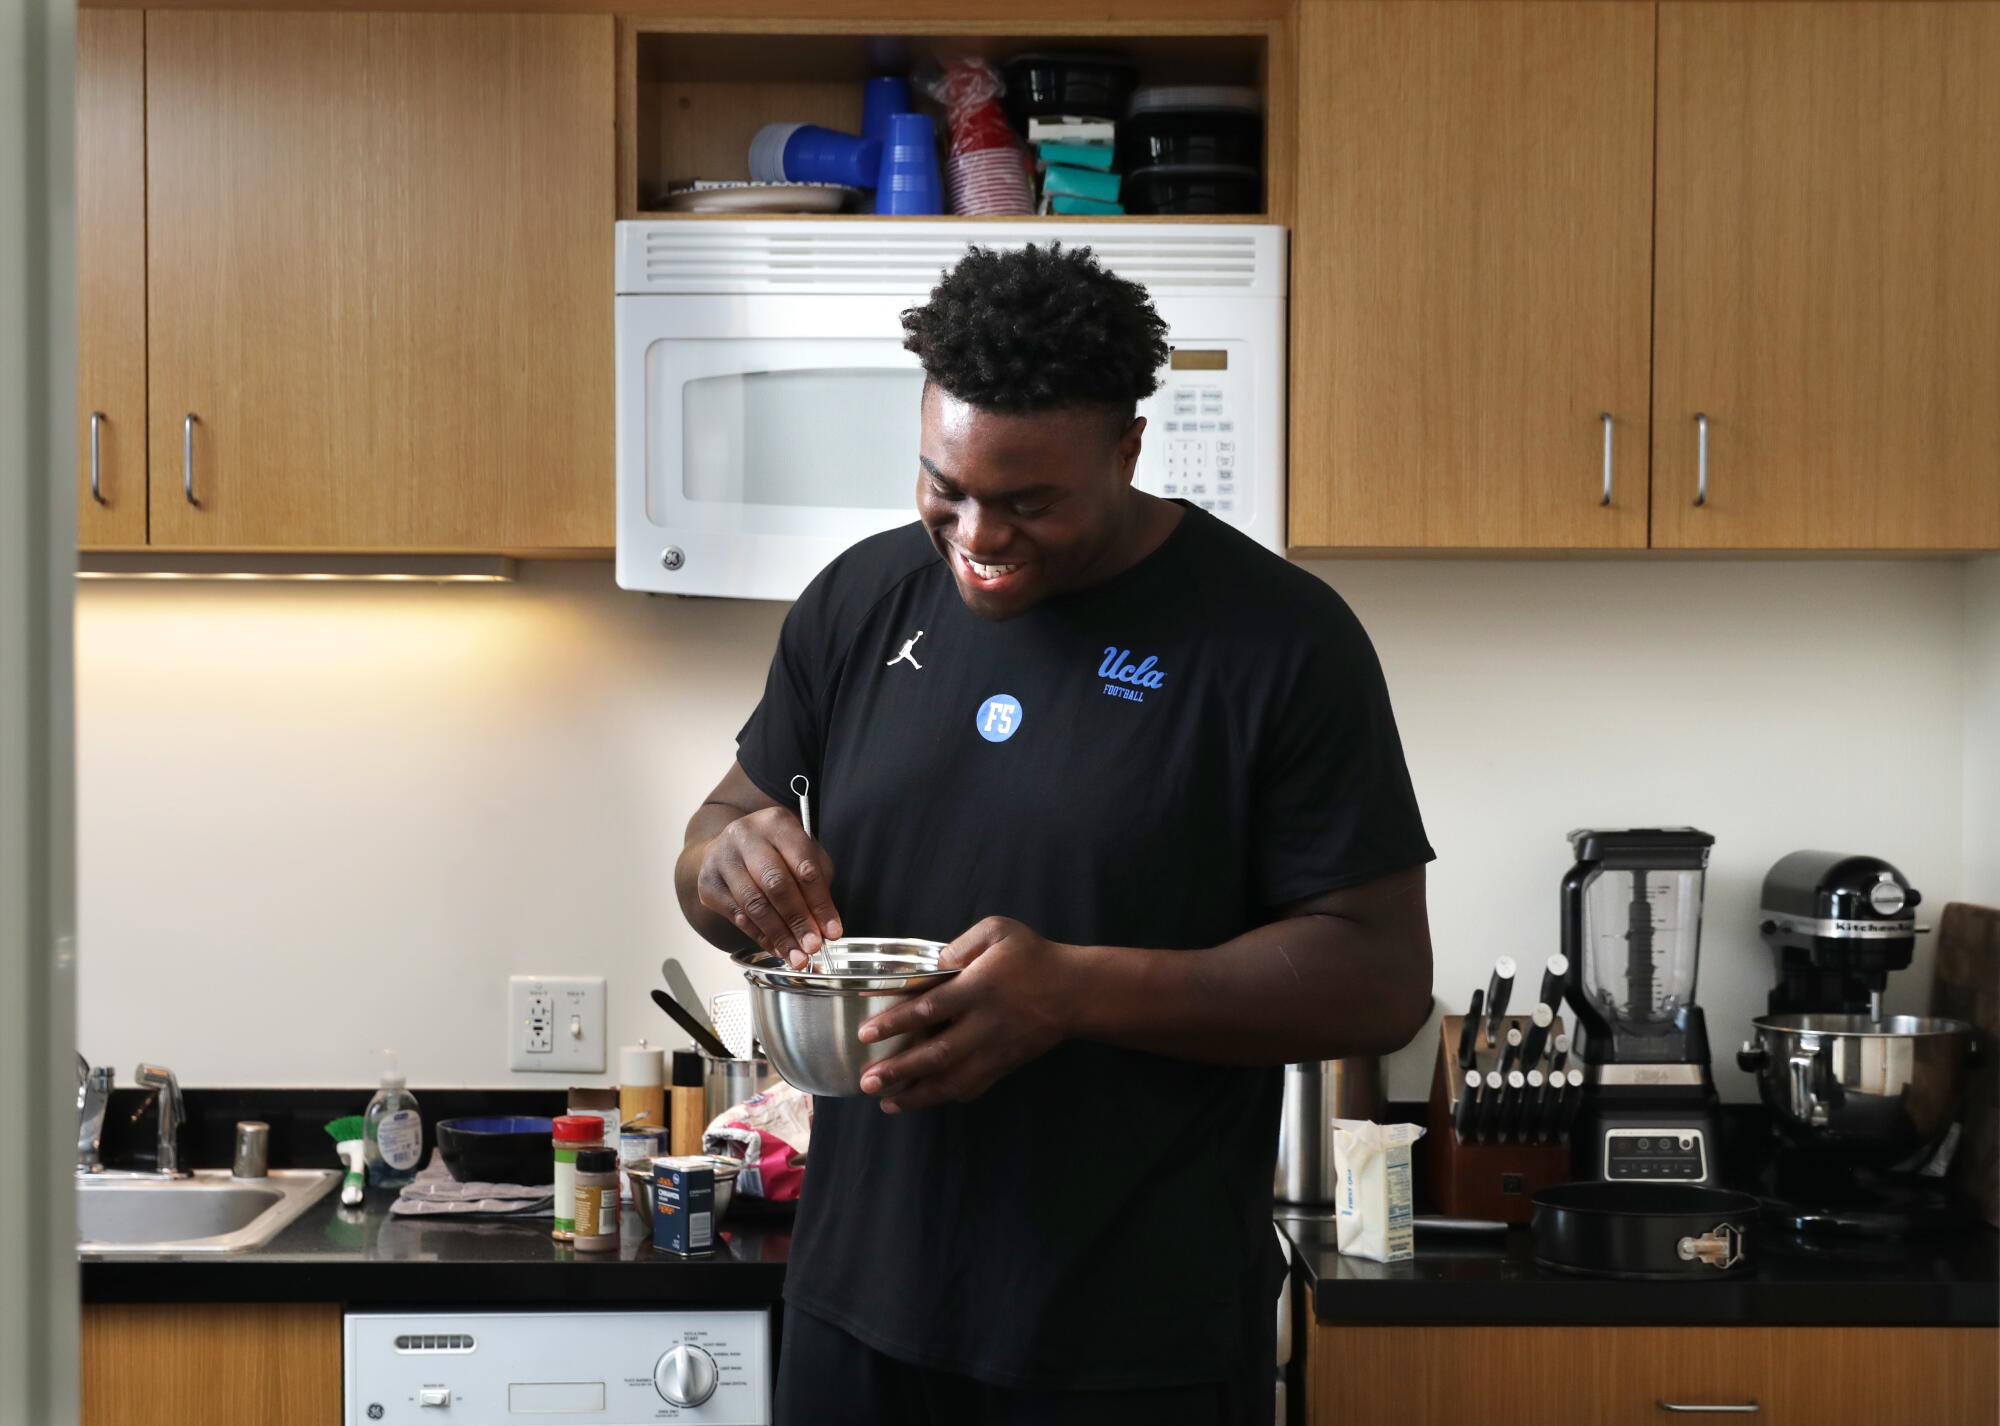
{"x": 816, "y": 155}
{"x": 880, "y": 98}
{"x": 909, "y": 181}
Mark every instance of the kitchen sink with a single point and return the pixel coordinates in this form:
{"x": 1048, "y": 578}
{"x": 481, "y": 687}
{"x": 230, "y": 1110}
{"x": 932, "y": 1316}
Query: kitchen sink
{"x": 211, "y": 1212}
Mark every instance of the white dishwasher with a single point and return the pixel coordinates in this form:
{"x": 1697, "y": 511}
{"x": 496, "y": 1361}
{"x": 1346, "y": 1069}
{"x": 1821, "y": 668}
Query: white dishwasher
{"x": 711, "y": 1366}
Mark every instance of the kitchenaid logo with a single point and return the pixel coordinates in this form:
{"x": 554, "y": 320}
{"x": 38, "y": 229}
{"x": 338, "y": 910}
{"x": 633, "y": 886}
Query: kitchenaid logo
{"x": 1839, "y": 928}
{"x": 1125, "y": 678}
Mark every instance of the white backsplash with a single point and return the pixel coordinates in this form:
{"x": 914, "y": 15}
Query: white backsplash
{"x": 319, "y": 821}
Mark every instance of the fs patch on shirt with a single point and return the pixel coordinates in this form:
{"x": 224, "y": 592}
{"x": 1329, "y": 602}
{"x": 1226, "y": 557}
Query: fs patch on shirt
{"x": 1165, "y": 760}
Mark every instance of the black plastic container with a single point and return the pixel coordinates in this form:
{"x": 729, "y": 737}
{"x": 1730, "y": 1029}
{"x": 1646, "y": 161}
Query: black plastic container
{"x": 1644, "y": 1230}
{"x": 1181, "y": 189}
{"x": 1089, "y": 83}
{"x": 1191, "y": 125}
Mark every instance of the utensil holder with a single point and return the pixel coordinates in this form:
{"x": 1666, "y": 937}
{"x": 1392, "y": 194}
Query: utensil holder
{"x": 1484, "y": 1180}
{"x": 727, "y": 1082}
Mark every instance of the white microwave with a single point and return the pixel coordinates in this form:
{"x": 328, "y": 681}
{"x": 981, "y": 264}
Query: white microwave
{"x": 767, "y": 412}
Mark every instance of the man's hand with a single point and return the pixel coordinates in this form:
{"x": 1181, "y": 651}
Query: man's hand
{"x": 1006, "y": 1006}
{"x": 773, "y": 882}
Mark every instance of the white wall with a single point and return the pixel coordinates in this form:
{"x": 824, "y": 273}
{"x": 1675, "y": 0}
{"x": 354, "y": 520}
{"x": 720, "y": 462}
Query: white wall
{"x": 1981, "y": 880}
{"x": 317, "y": 821}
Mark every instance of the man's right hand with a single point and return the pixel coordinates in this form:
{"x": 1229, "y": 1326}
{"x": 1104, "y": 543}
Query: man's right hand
{"x": 772, "y": 882}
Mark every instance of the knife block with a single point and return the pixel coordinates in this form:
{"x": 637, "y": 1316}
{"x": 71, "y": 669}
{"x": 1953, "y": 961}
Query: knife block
{"x": 1484, "y": 1180}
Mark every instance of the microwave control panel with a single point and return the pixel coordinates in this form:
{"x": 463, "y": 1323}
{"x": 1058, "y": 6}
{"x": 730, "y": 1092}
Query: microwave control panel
{"x": 1197, "y": 431}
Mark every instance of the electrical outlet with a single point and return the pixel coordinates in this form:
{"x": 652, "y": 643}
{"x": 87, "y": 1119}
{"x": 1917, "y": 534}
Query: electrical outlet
{"x": 555, "y": 1023}
{"x": 541, "y": 1023}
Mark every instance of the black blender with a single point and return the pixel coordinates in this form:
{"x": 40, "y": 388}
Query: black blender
{"x": 1631, "y": 928}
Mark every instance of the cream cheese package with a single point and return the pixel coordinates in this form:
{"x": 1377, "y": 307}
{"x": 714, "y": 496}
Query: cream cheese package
{"x": 1372, "y": 1192}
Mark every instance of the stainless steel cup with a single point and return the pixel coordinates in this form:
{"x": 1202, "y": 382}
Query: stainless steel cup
{"x": 1316, "y": 1093}
{"x": 727, "y": 1082}
{"x": 252, "y": 1158}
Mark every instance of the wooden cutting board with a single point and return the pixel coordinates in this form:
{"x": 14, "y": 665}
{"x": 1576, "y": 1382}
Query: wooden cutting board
{"x": 1968, "y": 988}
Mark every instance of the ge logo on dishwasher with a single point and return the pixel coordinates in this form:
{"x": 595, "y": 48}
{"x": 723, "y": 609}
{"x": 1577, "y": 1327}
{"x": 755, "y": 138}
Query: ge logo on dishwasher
{"x": 999, "y": 718}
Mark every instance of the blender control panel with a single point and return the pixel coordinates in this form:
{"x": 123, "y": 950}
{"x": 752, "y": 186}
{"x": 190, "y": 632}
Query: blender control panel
{"x": 1657, "y": 1154}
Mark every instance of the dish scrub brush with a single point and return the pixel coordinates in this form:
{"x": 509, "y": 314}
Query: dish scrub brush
{"x": 347, "y": 1137}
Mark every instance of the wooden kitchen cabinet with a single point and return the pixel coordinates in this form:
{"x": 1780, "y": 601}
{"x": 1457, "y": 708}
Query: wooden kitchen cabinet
{"x": 1620, "y": 1376}
{"x": 111, "y": 278}
{"x": 178, "y": 1364}
{"x": 379, "y": 278}
{"x": 1471, "y": 269}
{"x": 1829, "y": 276}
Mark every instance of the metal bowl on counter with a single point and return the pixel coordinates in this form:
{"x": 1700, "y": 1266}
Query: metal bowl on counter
{"x": 809, "y": 1020}
{"x": 640, "y": 1176}
{"x": 1879, "y": 1091}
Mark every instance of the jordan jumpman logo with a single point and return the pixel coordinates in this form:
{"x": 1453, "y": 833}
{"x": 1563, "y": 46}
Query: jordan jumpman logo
{"x": 908, "y": 645}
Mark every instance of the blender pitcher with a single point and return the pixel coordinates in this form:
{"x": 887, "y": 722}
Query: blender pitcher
{"x": 1632, "y": 927}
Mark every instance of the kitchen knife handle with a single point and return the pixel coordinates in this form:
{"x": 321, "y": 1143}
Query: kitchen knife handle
{"x": 1499, "y": 989}
{"x": 1516, "y": 1094}
{"x": 1468, "y": 1033}
{"x": 1554, "y": 975}
{"x": 1468, "y": 1107}
{"x": 1538, "y": 1034}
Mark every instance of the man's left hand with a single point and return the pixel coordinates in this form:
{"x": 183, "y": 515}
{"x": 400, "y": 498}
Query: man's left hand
{"x": 1004, "y": 1007}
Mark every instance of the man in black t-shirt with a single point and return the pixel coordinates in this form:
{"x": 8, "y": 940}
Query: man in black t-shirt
{"x": 1143, "y": 775}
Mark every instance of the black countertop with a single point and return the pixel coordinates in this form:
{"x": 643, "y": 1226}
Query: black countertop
{"x": 1949, "y": 1281}
{"x": 367, "y": 1257}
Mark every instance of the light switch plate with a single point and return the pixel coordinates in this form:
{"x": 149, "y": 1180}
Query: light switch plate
{"x": 555, "y": 1023}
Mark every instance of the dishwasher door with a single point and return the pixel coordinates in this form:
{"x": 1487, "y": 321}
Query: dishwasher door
{"x": 711, "y": 1366}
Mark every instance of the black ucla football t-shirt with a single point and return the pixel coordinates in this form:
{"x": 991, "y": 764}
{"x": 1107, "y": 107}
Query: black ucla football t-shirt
{"x": 1162, "y": 760}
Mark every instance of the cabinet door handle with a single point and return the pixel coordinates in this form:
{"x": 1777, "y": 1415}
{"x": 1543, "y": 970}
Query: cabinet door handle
{"x": 1700, "y": 459}
{"x": 1605, "y": 417}
{"x": 1717, "y": 1408}
{"x": 187, "y": 459}
{"x": 96, "y": 470}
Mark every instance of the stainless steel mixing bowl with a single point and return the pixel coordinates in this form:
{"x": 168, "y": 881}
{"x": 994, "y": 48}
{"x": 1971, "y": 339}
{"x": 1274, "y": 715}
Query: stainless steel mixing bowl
{"x": 1882, "y": 1091}
{"x": 808, "y": 1021}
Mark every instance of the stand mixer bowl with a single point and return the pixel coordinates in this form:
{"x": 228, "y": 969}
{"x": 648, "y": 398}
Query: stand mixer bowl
{"x": 1880, "y": 1092}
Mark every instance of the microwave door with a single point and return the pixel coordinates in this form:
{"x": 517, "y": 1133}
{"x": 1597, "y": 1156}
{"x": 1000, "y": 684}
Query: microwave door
{"x": 763, "y": 458}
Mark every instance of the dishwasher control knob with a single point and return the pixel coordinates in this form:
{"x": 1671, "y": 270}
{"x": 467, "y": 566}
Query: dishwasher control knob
{"x": 685, "y": 1376}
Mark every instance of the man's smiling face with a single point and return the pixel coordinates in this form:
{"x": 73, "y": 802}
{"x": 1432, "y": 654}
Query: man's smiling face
{"x": 1023, "y": 506}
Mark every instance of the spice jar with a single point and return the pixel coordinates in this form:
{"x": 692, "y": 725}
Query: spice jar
{"x": 573, "y": 1133}
{"x": 596, "y": 1210}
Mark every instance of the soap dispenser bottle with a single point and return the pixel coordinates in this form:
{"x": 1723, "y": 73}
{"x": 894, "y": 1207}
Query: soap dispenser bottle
{"x": 393, "y": 1131}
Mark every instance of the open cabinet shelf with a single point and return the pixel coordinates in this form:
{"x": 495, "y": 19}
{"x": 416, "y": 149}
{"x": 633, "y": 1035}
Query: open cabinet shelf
{"x": 692, "y": 98}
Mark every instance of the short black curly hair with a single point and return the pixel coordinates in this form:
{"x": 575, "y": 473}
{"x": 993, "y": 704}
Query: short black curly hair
{"x": 1037, "y": 329}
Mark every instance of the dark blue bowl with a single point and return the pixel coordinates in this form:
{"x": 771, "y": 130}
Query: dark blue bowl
{"x": 498, "y": 1148}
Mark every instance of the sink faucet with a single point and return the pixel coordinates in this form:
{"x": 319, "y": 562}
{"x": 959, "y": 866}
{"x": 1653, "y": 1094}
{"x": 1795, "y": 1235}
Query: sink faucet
{"x": 93, "y": 1095}
{"x": 161, "y": 1078}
